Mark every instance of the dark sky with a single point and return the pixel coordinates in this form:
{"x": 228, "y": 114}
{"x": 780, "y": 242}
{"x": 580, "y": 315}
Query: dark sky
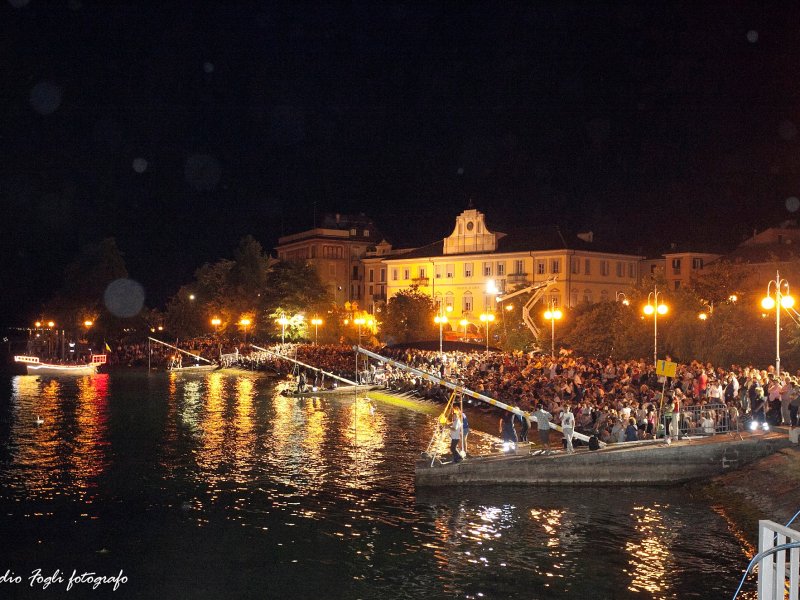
{"x": 178, "y": 129}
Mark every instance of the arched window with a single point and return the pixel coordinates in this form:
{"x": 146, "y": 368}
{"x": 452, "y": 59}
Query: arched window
{"x": 555, "y": 298}
{"x": 466, "y": 302}
{"x": 449, "y": 300}
{"x": 604, "y": 296}
{"x": 587, "y": 296}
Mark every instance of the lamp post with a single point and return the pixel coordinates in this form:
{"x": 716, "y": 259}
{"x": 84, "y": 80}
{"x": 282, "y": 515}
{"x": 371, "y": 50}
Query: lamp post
{"x": 780, "y": 300}
{"x": 464, "y": 323}
{"x": 621, "y": 297}
{"x": 491, "y": 290}
{"x": 553, "y": 314}
{"x": 655, "y": 309}
{"x": 216, "y": 322}
{"x": 283, "y": 321}
{"x": 441, "y": 319}
{"x": 244, "y": 323}
{"x": 487, "y": 318}
{"x": 316, "y": 322}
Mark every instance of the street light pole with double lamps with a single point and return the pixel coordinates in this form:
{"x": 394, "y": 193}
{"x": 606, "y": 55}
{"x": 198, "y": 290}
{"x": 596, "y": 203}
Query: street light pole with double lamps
{"x": 553, "y": 314}
{"x": 780, "y": 300}
{"x": 283, "y": 321}
{"x": 316, "y": 322}
{"x": 244, "y": 323}
{"x": 655, "y": 309}
{"x": 441, "y": 319}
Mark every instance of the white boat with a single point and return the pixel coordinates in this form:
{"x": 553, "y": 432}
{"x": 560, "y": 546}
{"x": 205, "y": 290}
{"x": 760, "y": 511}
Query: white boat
{"x": 35, "y": 366}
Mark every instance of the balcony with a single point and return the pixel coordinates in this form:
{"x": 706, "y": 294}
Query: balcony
{"x": 421, "y": 281}
{"x": 515, "y": 278}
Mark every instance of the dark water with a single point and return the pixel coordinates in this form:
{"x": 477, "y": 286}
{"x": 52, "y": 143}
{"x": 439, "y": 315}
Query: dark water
{"x": 215, "y": 486}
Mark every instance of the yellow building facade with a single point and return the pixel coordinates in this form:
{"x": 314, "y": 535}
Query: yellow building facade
{"x": 461, "y": 270}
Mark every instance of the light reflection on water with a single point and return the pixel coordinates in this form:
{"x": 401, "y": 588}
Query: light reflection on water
{"x": 292, "y": 495}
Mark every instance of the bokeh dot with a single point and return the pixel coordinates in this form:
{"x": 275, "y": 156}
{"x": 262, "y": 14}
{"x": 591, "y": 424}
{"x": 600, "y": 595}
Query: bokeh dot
{"x": 752, "y": 36}
{"x": 45, "y": 97}
{"x": 792, "y": 204}
{"x": 124, "y": 298}
{"x": 139, "y": 165}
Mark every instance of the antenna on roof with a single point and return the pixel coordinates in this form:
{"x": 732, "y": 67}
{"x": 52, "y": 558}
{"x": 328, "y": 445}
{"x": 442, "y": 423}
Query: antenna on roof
{"x": 470, "y": 205}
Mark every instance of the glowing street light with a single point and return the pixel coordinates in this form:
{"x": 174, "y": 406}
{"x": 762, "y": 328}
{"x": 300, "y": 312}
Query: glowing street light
{"x": 316, "y": 322}
{"x": 464, "y": 323}
{"x": 216, "y": 322}
{"x": 51, "y": 324}
{"x": 245, "y": 322}
{"x": 654, "y": 308}
{"x": 621, "y": 297}
{"x": 441, "y": 319}
{"x": 553, "y": 314}
{"x": 487, "y": 318}
{"x": 780, "y": 300}
{"x": 283, "y": 322}
{"x": 88, "y": 323}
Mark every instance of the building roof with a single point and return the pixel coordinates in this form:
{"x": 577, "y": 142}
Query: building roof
{"x": 764, "y": 253}
{"x": 531, "y": 239}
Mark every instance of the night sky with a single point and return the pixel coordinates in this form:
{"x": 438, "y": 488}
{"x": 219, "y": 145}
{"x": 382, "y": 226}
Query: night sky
{"x": 179, "y": 129}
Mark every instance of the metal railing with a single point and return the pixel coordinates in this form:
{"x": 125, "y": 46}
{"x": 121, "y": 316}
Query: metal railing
{"x": 776, "y": 575}
{"x": 707, "y": 419}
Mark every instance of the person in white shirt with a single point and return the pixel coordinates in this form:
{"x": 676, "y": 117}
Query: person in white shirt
{"x": 568, "y": 427}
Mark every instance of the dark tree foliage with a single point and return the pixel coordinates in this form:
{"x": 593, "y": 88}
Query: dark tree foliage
{"x": 409, "y": 317}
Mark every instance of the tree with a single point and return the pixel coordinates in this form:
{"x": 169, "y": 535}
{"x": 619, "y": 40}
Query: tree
{"x": 593, "y": 329}
{"x": 409, "y": 317}
{"x": 85, "y": 281}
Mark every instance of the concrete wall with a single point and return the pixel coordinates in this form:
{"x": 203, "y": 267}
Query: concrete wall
{"x": 649, "y": 465}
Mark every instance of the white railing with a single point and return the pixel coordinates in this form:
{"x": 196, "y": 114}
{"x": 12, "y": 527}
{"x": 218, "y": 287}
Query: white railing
{"x": 775, "y": 576}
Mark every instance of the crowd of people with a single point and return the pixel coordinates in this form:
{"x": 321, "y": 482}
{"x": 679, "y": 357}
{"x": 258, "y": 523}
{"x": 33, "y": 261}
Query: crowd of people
{"x": 616, "y": 400}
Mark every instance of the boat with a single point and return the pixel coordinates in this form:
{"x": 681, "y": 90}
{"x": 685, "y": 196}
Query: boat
{"x": 35, "y": 366}
{"x": 628, "y": 463}
{"x": 176, "y": 362}
{"x": 337, "y": 391}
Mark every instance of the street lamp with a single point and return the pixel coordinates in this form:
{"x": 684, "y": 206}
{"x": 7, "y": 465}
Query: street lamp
{"x": 316, "y": 322}
{"x": 655, "y": 309}
{"x": 283, "y": 322}
{"x": 216, "y": 322}
{"x": 491, "y": 290}
{"x": 781, "y": 300}
{"x": 87, "y": 323}
{"x": 621, "y": 297}
{"x": 244, "y": 323}
{"x": 487, "y": 318}
{"x": 553, "y": 314}
{"x": 441, "y": 319}
{"x": 464, "y": 323}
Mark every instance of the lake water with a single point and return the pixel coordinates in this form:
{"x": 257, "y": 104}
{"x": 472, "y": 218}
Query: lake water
{"x": 216, "y": 486}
